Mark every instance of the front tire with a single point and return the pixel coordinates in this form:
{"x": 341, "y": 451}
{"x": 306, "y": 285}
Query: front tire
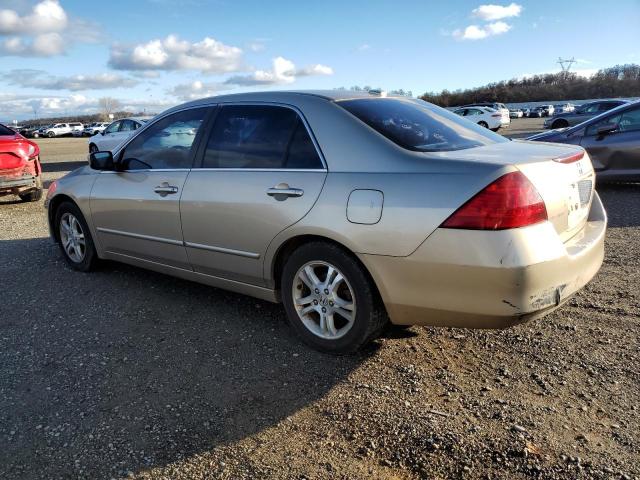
{"x": 75, "y": 238}
{"x": 559, "y": 124}
{"x": 330, "y": 300}
{"x": 51, "y": 134}
{"x": 93, "y": 148}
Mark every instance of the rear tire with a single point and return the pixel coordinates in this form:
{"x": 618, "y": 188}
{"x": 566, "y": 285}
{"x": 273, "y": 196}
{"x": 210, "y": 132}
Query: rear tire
{"x": 51, "y": 134}
{"x": 33, "y": 195}
{"x": 483, "y": 124}
{"x": 338, "y": 286}
{"x": 75, "y": 238}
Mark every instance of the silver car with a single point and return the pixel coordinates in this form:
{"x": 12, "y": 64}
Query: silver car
{"x": 353, "y": 209}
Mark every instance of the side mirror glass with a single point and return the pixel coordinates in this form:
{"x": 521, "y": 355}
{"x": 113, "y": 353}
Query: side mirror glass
{"x": 606, "y": 129}
{"x": 101, "y": 161}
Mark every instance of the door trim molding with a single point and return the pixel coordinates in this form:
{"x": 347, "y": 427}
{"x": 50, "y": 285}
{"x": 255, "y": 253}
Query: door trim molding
{"x": 141, "y": 236}
{"x": 169, "y": 241}
{"x": 230, "y": 251}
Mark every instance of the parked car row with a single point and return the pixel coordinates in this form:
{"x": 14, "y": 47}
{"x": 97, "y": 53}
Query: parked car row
{"x": 75, "y": 129}
{"x": 581, "y": 113}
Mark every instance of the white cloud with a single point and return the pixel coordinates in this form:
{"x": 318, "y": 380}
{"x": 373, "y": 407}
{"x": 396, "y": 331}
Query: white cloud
{"x": 171, "y": 53}
{"x": 45, "y": 17}
{"x": 196, "y": 89}
{"x": 317, "y": 69}
{"x": 40, "y": 79}
{"x": 364, "y": 47}
{"x": 497, "y": 12}
{"x": 45, "y": 31}
{"x": 282, "y": 72}
{"x": 44, "y": 45}
{"x": 475, "y": 32}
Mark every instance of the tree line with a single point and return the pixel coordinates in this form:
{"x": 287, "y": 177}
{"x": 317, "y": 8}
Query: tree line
{"x": 617, "y": 81}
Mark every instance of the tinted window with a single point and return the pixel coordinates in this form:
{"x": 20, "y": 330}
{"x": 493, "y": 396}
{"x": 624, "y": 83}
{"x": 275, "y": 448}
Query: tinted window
{"x": 127, "y": 126}
{"x": 165, "y": 144}
{"x": 626, "y": 121}
{"x": 418, "y": 125}
{"x": 630, "y": 120}
{"x": 6, "y": 131}
{"x": 250, "y": 136}
{"x": 302, "y": 152}
{"x": 113, "y": 127}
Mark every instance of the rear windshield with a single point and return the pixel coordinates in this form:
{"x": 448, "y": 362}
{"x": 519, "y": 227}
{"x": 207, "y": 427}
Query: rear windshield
{"x": 6, "y": 131}
{"x": 418, "y": 125}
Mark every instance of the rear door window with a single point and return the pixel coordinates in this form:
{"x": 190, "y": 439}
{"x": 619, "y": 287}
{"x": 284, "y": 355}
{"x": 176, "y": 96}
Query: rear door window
{"x": 419, "y": 126}
{"x": 259, "y": 137}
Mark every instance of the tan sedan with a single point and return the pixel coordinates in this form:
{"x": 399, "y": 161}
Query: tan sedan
{"x": 352, "y": 209}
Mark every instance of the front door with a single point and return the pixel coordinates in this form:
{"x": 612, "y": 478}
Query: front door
{"x": 136, "y": 211}
{"x": 618, "y": 150}
{"x": 259, "y": 173}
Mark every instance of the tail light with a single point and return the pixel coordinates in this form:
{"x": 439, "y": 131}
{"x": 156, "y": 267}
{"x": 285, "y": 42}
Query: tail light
{"x": 570, "y": 158}
{"x": 511, "y": 201}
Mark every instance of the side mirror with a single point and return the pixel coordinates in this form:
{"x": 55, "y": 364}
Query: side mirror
{"x": 606, "y": 129}
{"x": 101, "y": 161}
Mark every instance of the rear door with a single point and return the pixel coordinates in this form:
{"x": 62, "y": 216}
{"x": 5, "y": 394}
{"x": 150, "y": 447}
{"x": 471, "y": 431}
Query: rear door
{"x": 618, "y": 150}
{"x": 136, "y": 211}
{"x": 260, "y": 171}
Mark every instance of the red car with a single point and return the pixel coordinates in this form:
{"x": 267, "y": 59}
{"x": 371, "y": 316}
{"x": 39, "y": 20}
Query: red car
{"x": 20, "y": 170}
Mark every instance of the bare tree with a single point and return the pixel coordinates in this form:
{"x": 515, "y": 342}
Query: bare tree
{"x": 108, "y": 105}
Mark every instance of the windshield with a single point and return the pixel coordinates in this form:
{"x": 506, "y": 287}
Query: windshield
{"x": 418, "y": 125}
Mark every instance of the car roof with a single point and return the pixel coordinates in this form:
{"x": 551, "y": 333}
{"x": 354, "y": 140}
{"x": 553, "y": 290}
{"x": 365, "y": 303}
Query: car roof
{"x": 289, "y": 95}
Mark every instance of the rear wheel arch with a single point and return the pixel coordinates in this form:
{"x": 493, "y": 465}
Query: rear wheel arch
{"x": 293, "y": 243}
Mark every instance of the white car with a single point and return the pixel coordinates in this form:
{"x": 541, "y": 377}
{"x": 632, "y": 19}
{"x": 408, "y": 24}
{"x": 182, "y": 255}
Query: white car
{"x": 517, "y": 113}
{"x": 56, "y": 130}
{"x": 116, "y": 133}
{"x": 484, "y": 116}
{"x": 92, "y": 129}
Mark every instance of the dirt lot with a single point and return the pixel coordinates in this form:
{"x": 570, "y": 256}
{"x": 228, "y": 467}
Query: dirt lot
{"x": 128, "y": 373}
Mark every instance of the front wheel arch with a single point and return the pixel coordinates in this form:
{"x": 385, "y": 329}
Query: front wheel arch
{"x": 54, "y": 203}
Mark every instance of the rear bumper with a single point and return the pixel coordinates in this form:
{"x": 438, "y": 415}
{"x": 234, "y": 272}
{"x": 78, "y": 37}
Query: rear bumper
{"x": 15, "y": 185}
{"x": 480, "y": 279}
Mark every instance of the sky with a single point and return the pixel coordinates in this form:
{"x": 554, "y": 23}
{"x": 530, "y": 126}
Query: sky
{"x": 59, "y": 57}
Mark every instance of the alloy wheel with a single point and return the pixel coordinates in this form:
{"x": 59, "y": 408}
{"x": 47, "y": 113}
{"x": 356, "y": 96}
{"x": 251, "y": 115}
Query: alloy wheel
{"x": 72, "y": 237}
{"x": 324, "y": 300}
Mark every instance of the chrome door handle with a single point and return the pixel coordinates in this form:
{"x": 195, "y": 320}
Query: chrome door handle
{"x": 283, "y": 191}
{"x": 165, "y": 189}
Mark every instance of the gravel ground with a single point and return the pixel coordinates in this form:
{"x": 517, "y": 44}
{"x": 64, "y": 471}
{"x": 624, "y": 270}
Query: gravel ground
{"x": 128, "y": 373}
